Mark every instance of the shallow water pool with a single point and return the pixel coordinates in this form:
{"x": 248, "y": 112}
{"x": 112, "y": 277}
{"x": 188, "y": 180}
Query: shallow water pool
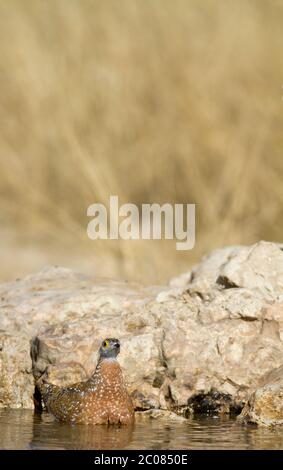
{"x": 24, "y": 429}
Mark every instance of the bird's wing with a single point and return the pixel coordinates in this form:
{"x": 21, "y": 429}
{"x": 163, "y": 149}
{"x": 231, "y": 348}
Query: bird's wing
{"x": 62, "y": 402}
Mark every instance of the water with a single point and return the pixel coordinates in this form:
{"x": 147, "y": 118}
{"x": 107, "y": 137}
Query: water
{"x": 24, "y": 429}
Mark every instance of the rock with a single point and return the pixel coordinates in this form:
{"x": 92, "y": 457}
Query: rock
{"x": 257, "y": 267}
{"x": 213, "y": 403}
{"x": 205, "y": 274}
{"x": 159, "y": 414}
{"x": 201, "y": 343}
{"x": 16, "y": 380}
{"x": 265, "y": 406}
{"x": 143, "y": 403}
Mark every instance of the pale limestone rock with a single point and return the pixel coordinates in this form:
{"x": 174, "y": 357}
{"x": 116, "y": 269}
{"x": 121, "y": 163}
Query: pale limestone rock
{"x": 16, "y": 380}
{"x": 265, "y": 405}
{"x": 214, "y": 334}
{"x": 259, "y": 267}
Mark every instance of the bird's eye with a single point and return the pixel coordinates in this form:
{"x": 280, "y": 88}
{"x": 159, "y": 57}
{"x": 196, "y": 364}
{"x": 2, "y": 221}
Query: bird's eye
{"x": 105, "y": 344}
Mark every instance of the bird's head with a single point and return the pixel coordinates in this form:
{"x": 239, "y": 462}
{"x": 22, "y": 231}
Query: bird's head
{"x": 109, "y": 349}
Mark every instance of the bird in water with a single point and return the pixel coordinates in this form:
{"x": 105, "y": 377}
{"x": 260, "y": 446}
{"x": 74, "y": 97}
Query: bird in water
{"x": 102, "y": 399}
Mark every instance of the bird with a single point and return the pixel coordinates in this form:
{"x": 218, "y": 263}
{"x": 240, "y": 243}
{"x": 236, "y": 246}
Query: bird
{"x": 102, "y": 399}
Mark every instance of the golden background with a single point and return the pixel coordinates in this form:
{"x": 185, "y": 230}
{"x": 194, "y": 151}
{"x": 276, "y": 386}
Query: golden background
{"x": 153, "y": 100}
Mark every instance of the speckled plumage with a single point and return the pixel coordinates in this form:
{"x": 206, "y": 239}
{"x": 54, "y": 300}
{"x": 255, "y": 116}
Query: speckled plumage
{"x": 103, "y": 399}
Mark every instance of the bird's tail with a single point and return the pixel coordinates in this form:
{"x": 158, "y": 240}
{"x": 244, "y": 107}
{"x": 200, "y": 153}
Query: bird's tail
{"x": 43, "y": 391}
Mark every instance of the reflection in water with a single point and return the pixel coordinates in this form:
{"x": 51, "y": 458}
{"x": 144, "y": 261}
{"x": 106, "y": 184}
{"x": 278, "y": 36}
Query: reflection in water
{"x": 24, "y": 429}
{"x": 15, "y": 429}
{"x": 49, "y": 433}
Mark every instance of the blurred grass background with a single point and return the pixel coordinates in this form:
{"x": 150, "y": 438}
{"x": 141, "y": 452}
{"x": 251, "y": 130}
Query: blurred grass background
{"x": 152, "y": 100}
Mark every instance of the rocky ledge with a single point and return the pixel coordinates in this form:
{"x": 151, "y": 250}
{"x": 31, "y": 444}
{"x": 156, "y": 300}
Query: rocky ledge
{"x": 204, "y": 343}
{"x": 265, "y": 404}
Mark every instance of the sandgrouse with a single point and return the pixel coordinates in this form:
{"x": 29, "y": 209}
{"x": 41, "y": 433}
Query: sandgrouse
{"x": 102, "y": 399}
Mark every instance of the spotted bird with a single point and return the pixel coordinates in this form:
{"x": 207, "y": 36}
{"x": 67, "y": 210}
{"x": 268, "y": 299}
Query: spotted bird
{"x": 102, "y": 399}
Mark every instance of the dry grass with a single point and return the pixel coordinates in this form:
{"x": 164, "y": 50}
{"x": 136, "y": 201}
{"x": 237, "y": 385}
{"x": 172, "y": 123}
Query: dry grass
{"x": 153, "y": 100}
